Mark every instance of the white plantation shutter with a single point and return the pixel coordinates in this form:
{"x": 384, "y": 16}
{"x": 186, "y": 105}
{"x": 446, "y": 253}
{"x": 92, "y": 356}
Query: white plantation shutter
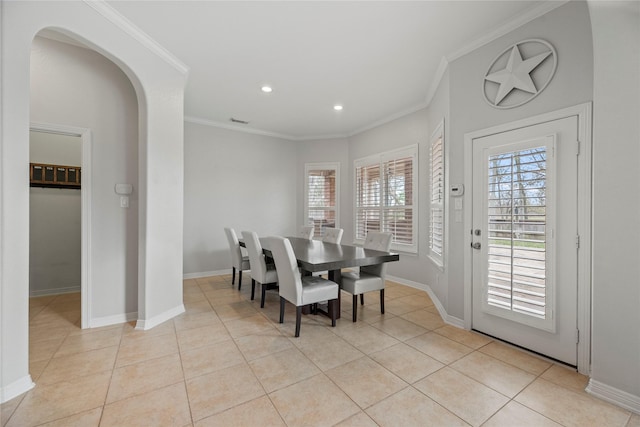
{"x": 385, "y": 197}
{"x": 436, "y": 212}
{"x": 321, "y": 196}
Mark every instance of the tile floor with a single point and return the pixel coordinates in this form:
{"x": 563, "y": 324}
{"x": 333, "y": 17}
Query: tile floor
{"x": 226, "y": 362}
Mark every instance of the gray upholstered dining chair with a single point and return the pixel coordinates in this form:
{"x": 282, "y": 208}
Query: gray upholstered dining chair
{"x": 306, "y": 232}
{"x": 332, "y": 235}
{"x": 239, "y": 261}
{"x": 370, "y": 277}
{"x": 299, "y": 290}
{"x": 261, "y": 272}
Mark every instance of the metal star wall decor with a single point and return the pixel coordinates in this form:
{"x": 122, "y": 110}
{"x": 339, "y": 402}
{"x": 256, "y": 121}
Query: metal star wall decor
{"x": 519, "y": 73}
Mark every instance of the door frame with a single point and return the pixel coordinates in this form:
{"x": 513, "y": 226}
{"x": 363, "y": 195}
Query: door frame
{"x": 85, "y": 194}
{"x": 584, "y": 225}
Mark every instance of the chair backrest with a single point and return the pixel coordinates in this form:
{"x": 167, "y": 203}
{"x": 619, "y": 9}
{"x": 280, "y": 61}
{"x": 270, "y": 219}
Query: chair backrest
{"x": 289, "y": 279}
{"x": 332, "y": 235}
{"x": 306, "y": 232}
{"x": 234, "y": 247}
{"x": 379, "y": 241}
{"x": 256, "y": 257}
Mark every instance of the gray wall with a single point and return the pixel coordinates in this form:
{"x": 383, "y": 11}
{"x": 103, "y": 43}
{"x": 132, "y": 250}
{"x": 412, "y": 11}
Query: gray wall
{"x": 616, "y": 197}
{"x": 237, "y": 180}
{"x": 77, "y": 87}
{"x": 571, "y": 85}
{"x": 54, "y": 220}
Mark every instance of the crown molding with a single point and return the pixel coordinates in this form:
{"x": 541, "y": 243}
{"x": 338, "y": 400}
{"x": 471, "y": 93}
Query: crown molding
{"x": 238, "y": 128}
{"x": 116, "y": 18}
{"x": 390, "y": 118}
{"x": 537, "y": 11}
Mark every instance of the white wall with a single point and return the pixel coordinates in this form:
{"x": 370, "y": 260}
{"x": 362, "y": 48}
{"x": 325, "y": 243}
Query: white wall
{"x": 159, "y": 81}
{"x": 54, "y": 218}
{"x": 238, "y": 180}
{"x": 616, "y": 198}
{"x": 79, "y": 87}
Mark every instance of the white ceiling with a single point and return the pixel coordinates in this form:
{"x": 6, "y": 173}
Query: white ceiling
{"x": 379, "y": 59}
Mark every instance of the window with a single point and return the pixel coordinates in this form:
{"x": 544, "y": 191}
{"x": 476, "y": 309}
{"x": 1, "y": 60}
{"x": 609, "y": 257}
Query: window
{"x": 436, "y": 205}
{"x": 385, "y": 197}
{"x": 321, "y": 196}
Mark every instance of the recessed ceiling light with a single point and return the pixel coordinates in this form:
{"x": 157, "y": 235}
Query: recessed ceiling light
{"x": 337, "y": 107}
{"x": 267, "y": 89}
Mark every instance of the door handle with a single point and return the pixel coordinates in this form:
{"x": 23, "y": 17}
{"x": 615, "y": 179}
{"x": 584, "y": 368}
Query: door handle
{"x": 476, "y": 245}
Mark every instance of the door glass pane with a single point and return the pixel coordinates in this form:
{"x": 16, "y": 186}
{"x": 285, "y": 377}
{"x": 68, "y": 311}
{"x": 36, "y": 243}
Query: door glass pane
{"x": 517, "y": 222}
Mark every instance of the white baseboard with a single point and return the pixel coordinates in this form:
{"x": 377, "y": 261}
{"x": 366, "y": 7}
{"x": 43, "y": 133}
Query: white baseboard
{"x": 16, "y": 388}
{"x": 206, "y": 274}
{"x": 451, "y": 320}
{"x": 112, "y": 320}
{"x": 613, "y": 395}
{"x": 146, "y": 324}
{"x": 54, "y": 291}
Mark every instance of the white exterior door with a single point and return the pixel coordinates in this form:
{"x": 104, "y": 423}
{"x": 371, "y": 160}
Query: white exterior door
{"x": 525, "y": 237}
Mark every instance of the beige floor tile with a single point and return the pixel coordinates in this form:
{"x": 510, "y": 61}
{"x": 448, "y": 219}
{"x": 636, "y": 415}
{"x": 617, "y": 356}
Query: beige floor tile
{"x": 406, "y": 362}
{"x": 400, "y": 328}
{"x": 8, "y": 408}
{"x": 36, "y": 368}
{"x": 263, "y": 344}
{"x": 78, "y": 365}
{"x": 166, "y": 406}
{"x": 518, "y": 358}
{"x": 473, "y": 402}
{"x": 410, "y": 408}
{"x": 144, "y": 377}
{"x": 44, "y": 349}
{"x": 500, "y": 376}
{"x": 236, "y": 310}
{"x": 62, "y": 305}
{"x": 361, "y": 419}
{"x": 145, "y": 348}
{"x": 195, "y": 307}
{"x": 468, "y": 338}
{"x": 89, "y": 418}
{"x": 218, "y": 391}
{"x": 634, "y": 421}
{"x": 399, "y": 306}
{"x": 425, "y": 319}
{"x": 315, "y": 401}
{"x": 515, "y": 414}
{"x": 194, "y": 321}
{"x": 566, "y": 377}
{"x": 79, "y": 343}
{"x": 570, "y": 408}
{"x": 440, "y": 348}
{"x": 365, "y": 381}
{"x": 330, "y": 352}
{"x": 365, "y": 337}
{"x": 190, "y": 339}
{"x": 251, "y": 325}
{"x": 129, "y": 331}
{"x": 279, "y": 370}
{"x": 52, "y": 402}
{"x": 48, "y": 332}
{"x": 204, "y": 360}
{"x": 258, "y": 412}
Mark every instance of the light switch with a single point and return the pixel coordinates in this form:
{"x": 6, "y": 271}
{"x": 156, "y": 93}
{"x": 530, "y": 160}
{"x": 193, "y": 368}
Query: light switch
{"x": 124, "y": 201}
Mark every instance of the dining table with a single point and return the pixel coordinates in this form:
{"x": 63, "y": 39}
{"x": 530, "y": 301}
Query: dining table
{"x": 315, "y": 256}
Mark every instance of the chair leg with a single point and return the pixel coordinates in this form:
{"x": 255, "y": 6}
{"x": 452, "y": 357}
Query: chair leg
{"x": 239, "y": 279}
{"x": 281, "y": 310}
{"x": 334, "y": 311}
{"x": 264, "y": 292}
{"x": 233, "y": 275}
{"x": 253, "y": 288}
{"x": 382, "y": 301}
{"x": 355, "y": 307}
{"x": 361, "y": 299}
{"x": 298, "y": 319}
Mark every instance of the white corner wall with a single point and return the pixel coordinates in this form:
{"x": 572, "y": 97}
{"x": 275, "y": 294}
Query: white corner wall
{"x": 616, "y": 197}
{"x": 238, "y": 180}
{"x": 159, "y": 83}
